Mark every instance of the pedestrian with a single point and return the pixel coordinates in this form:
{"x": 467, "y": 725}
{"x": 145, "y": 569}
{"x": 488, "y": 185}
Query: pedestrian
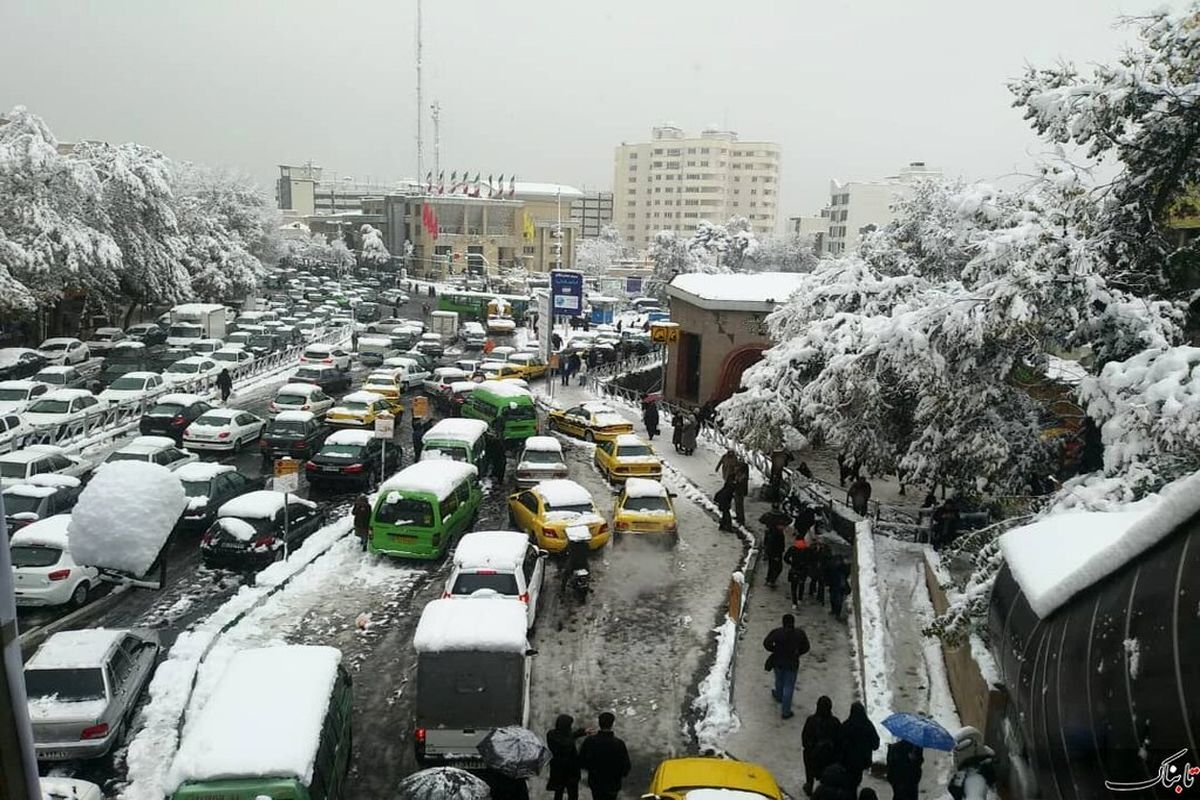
{"x": 650, "y": 416}
{"x": 904, "y": 761}
{"x": 797, "y": 558}
{"x": 497, "y": 460}
{"x": 677, "y": 428}
{"x": 619, "y": 326}
{"x": 225, "y": 385}
{"x": 646, "y": 325}
{"x": 817, "y": 557}
{"x": 583, "y": 373}
{"x": 774, "y": 543}
{"x": 820, "y": 739}
{"x": 804, "y": 470}
{"x": 837, "y": 580}
{"x": 361, "y": 511}
{"x": 687, "y": 442}
{"x": 418, "y": 435}
{"x": 564, "y": 758}
{"x": 556, "y": 341}
{"x": 354, "y": 338}
{"x": 779, "y": 461}
{"x": 945, "y": 522}
{"x": 834, "y": 785}
{"x": 859, "y": 741}
{"x": 724, "y": 500}
{"x": 785, "y": 644}
{"x": 741, "y": 488}
{"x": 805, "y": 518}
{"x": 606, "y": 760}
{"x": 859, "y": 495}
{"x": 727, "y": 464}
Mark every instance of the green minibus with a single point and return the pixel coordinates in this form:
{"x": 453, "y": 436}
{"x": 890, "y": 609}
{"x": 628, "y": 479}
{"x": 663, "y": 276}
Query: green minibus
{"x": 504, "y": 405}
{"x": 421, "y": 510}
{"x": 455, "y": 439}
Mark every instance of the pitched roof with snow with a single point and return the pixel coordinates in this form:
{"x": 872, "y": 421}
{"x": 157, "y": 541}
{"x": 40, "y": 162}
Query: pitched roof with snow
{"x": 738, "y": 291}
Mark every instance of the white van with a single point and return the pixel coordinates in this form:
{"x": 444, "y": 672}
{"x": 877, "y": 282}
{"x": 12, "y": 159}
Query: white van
{"x": 498, "y": 563}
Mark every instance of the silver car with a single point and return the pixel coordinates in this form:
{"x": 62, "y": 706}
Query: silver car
{"x": 83, "y": 687}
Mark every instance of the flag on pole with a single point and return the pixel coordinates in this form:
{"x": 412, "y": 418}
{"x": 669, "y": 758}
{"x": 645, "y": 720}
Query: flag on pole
{"x": 491, "y": 186}
{"x": 500, "y": 187}
{"x": 527, "y": 230}
{"x": 429, "y": 182}
{"x": 512, "y": 187}
{"x": 442, "y": 182}
{"x": 433, "y": 224}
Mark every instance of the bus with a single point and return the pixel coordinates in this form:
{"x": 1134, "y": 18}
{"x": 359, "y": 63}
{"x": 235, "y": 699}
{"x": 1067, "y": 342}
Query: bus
{"x": 474, "y": 305}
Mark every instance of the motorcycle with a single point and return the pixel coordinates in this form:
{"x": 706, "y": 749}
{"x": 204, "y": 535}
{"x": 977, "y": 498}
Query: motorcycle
{"x": 579, "y": 576}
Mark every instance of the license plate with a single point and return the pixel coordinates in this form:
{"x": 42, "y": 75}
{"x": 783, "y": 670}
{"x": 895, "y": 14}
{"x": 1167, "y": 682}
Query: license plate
{"x": 24, "y": 601}
{"x": 53, "y": 754}
{"x": 331, "y": 469}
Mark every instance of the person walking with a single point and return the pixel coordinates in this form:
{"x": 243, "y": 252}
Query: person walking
{"x": 687, "y": 440}
{"x": 606, "y": 760}
{"x": 419, "y": 426}
{"x": 774, "y": 543}
{"x": 741, "y": 488}
{"x": 361, "y": 511}
{"x": 820, "y": 740}
{"x": 817, "y": 558}
{"x": 859, "y": 741}
{"x": 496, "y": 458}
{"x": 904, "y": 760}
{"x": 858, "y": 496}
{"x": 225, "y": 385}
{"x": 583, "y": 373}
{"x": 564, "y": 758}
{"x": 726, "y": 464}
{"x": 837, "y": 580}
{"x": 785, "y": 644}
{"x": 724, "y": 500}
{"x": 677, "y": 428}
{"x": 650, "y": 416}
{"x": 779, "y": 462}
{"x": 834, "y": 785}
{"x": 798, "y": 557}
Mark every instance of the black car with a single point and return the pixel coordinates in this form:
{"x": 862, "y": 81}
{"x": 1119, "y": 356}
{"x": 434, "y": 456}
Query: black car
{"x": 129, "y": 357}
{"x": 209, "y": 486}
{"x": 257, "y": 528}
{"x": 330, "y": 379}
{"x": 42, "y": 496}
{"x": 295, "y": 434}
{"x": 171, "y": 414}
{"x": 20, "y": 362}
{"x": 351, "y": 457}
{"x": 168, "y": 356}
{"x": 263, "y": 344}
{"x": 148, "y": 333}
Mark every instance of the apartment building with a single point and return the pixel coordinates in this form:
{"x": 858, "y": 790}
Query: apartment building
{"x": 674, "y": 181}
{"x": 858, "y": 207}
{"x": 593, "y": 213}
{"x": 303, "y": 190}
{"x": 815, "y": 225}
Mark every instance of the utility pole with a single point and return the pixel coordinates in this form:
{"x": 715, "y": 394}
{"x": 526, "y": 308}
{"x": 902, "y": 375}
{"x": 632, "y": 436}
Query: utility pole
{"x": 420, "y": 103}
{"x": 436, "y": 110}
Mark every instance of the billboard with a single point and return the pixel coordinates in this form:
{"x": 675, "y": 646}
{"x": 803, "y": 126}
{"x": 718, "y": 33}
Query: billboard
{"x": 566, "y": 292}
{"x": 633, "y": 286}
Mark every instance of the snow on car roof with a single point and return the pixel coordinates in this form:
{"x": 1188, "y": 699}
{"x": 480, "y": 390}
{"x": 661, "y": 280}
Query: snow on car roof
{"x": 59, "y": 340}
{"x": 488, "y": 624}
{"x": 223, "y": 413}
{"x": 30, "y": 490}
{"x": 193, "y": 360}
{"x": 504, "y": 389}
{"x": 180, "y": 399}
{"x": 628, "y": 439}
{"x": 298, "y": 388}
{"x": 264, "y": 717}
{"x": 644, "y": 487}
{"x": 295, "y": 416}
{"x": 438, "y": 478}
{"x": 607, "y": 419}
{"x": 54, "y": 480}
{"x": 66, "y": 394}
{"x": 1062, "y": 554}
{"x": 26, "y": 385}
{"x": 380, "y": 377}
{"x": 142, "y": 375}
{"x": 201, "y": 471}
{"x": 356, "y": 438}
{"x": 457, "y": 428}
{"x": 543, "y": 443}
{"x": 11, "y": 355}
{"x": 363, "y": 397}
{"x": 30, "y": 453}
{"x": 78, "y": 649}
{"x": 463, "y": 386}
{"x": 375, "y": 341}
{"x": 491, "y": 549}
{"x": 151, "y": 441}
{"x": 563, "y": 492}
{"x": 262, "y": 504}
{"x": 62, "y": 370}
{"x": 48, "y": 532}
{"x": 444, "y": 372}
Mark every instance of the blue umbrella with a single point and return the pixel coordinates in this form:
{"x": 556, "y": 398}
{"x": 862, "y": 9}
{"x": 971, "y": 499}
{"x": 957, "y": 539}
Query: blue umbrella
{"x": 921, "y": 731}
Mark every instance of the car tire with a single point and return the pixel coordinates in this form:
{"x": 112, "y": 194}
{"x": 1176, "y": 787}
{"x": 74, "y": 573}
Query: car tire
{"x": 512, "y": 520}
{"x": 588, "y": 436}
{"x": 79, "y": 597}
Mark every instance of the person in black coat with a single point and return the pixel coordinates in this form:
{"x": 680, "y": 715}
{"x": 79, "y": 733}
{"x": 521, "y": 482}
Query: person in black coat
{"x": 606, "y": 760}
{"x": 904, "y": 760}
{"x": 419, "y": 426}
{"x": 820, "y": 738}
{"x": 859, "y": 741}
{"x": 225, "y": 385}
{"x": 564, "y": 758}
{"x": 837, "y": 580}
{"x": 650, "y": 417}
{"x": 774, "y": 543}
{"x": 785, "y": 644}
{"x": 496, "y": 458}
{"x": 834, "y": 785}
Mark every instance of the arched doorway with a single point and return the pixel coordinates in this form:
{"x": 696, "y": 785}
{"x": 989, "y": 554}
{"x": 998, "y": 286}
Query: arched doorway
{"x": 735, "y": 363}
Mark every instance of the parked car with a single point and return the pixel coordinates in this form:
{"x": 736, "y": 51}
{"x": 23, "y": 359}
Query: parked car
{"x": 169, "y": 356}
{"x": 208, "y": 486}
{"x": 644, "y": 507}
{"x": 541, "y": 460}
{"x": 192, "y": 368}
{"x": 473, "y": 335}
{"x": 360, "y": 409}
{"x": 498, "y": 563}
{"x": 14, "y": 431}
{"x": 351, "y": 457}
{"x": 264, "y": 344}
{"x": 60, "y": 377}
{"x": 83, "y": 687}
{"x": 134, "y": 387}
{"x": 40, "y": 497}
{"x": 431, "y": 345}
{"x": 64, "y": 350}
{"x": 103, "y": 340}
{"x": 148, "y": 333}
{"x": 329, "y": 378}
{"x": 627, "y": 455}
{"x": 62, "y": 406}
{"x": 160, "y": 450}
{"x": 205, "y": 347}
{"x": 16, "y": 395}
{"x": 171, "y": 414}
{"x": 234, "y": 359}
{"x": 223, "y": 429}
{"x": 546, "y": 510}
{"x": 592, "y": 420}
{"x": 36, "y": 459}
{"x": 334, "y": 355}
{"x": 437, "y": 384}
{"x": 250, "y": 530}
{"x": 44, "y": 573}
{"x": 294, "y": 434}
{"x": 301, "y": 397}
{"x": 20, "y": 362}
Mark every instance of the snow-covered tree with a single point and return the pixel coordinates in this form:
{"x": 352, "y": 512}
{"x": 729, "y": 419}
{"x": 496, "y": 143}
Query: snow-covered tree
{"x": 373, "y": 252}
{"x": 341, "y": 256}
{"x": 671, "y": 256}
{"x": 789, "y": 252}
{"x": 595, "y": 255}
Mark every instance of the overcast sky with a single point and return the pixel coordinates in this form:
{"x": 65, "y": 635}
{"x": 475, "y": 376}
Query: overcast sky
{"x": 546, "y": 88}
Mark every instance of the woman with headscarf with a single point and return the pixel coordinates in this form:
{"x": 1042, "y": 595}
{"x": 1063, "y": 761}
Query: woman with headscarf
{"x": 564, "y": 758}
{"x": 819, "y": 739}
{"x": 859, "y": 741}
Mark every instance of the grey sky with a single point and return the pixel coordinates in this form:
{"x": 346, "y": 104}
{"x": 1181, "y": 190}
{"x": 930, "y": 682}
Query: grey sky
{"x": 546, "y": 88}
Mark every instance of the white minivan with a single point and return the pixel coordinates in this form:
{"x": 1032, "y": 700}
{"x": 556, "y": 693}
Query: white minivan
{"x": 498, "y": 564}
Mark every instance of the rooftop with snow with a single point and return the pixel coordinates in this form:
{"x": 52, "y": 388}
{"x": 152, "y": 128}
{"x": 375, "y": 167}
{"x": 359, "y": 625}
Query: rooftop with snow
{"x": 740, "y": 291}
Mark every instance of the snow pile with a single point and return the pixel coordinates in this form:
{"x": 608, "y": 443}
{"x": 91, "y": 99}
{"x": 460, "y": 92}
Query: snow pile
{"x": 877, "y": 688}
{"x": 1064, "y": 553}
{"x": 715, "y": 699}
{"x": 124, "y": 516}
{"x": 486, "y": 624}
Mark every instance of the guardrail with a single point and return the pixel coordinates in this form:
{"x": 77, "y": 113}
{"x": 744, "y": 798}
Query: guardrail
{"x": 118, "y": 418}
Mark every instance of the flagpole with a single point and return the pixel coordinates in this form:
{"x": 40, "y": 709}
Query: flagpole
{"x": 420, "y": 103}
{"x": 436, "y": 109}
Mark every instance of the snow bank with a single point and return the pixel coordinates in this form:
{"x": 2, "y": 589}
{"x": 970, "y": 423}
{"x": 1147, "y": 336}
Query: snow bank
{"x": 714, "y": 701}
{"x": 124, "y": 516}
{"x": 1062, "y": 554}
{"x": 486, "y": 624}
{"x": 263, "y": 719}
{"x": 74, "y": 649}
{"x": 438, "y": 478}
{"x": 877, "y": 688}
{"x": 491, "y": 549}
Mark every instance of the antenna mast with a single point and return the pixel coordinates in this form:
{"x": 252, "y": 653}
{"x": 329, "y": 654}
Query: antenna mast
{"x": 420, "y": 104}
{"x": 435, "y": 111}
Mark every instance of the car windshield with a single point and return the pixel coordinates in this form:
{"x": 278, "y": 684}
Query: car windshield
{"x": 50, "y": 407}
{"x": 633, "y": 450}
{"x": 290, "y": 399}
{"x": 195, "y": 488}
{"x": 52, "y": 346}
{"x": 213, "y": 420}
{"x": 316, "y": 355}
{"x": 646, "y": 504}
{"x": 541, "y": 457}
{"x": 21, "y": 504}
{"x": 355, "y": 405}
{"x": 14, "y": 394}
{"x": 31, "y": 555}
{"x": 166, "y": 410}
{"x": 66, "y": 685}
{"x": 579, "y": 508}
{"x": 470, "y": 582}
{"x": 286, "y": 428}
{"x": 129, "y": 384}
{"x": 180, "y": 368}
{"x": 307, "y": 374}
{"x": 225, "y": 356}
{"x": 104, "y": 336}
{"x": 262, "y": 341}
{"x": 446, "y": 451}
{"x": 520, "y": 412}
{"x": 52, "y": 377}
{"x": 120, "y": 456}
{"x": 396, "y": 510}
{"x": 347, "y": 451}
{"x": 186, "y": 331}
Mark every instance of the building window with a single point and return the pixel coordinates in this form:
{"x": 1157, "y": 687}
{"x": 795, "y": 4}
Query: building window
{"x": 754, "y": 179}
{"x": 656, "y": 164}
{"x": 658, "y": 151}
{"x": 673, "y": 151}
{"x": 691, "y": 150}
{"x": 632, "y": 167}
{"x": 672, "y": 165}
{"x": 691, "y": 163}
{"x": 529, "y": 251}
{"x": 703, "y": 149}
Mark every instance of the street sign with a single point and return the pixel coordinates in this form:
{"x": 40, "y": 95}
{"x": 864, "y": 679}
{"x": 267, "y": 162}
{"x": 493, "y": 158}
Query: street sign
{"x": 420, "y": 407}
{"x": 566, "y": 292}
{"x": 287, "y": 475}
{"x": 385, "y": 426}
{"x": 664, "y": 332}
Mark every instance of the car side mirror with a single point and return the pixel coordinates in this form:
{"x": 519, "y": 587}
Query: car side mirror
{"x": 531, "y": 652}
{"x": 543, "y": 554}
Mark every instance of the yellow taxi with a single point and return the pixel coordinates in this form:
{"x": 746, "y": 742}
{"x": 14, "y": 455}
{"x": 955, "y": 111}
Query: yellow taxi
{"x": 594, "y": 421}
{"x": 361, "y": 409}
{"x": 644, "y": 506}
{"x": 531, "y": 364}
{"x": 499, "y": 371}
{"x": 625, "y": 456}
{"x": 682, "y": 778}
{"x": 546, "y": 511}
{"x": 384, "y": 383}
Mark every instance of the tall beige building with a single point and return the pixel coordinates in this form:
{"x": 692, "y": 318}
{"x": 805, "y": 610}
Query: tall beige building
{"x": 673, "y": 182}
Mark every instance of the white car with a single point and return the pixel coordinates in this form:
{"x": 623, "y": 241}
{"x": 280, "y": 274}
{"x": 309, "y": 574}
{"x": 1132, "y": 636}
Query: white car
{"x": 64, "y": 350}
{"x": 541, "y": 460}
{"x": 206, "y": 347}
{"x": 501, "y": 325}
{"x": 408, "y": 370}
{"x": 15, "y": 396}
{"x": 223, "y": 429}
{"x": 104, "y": 339}
{"x": 61, "y": 377}
{"x": 233, "y": 358}
{"x": 301, "y": 397}
{"x": 37, "y": 459}
{"x": 43, "y": 572}
{"x": 134, "y": 386}
{"x": 326, "y": 354}
{"x": 160, "y": 450}
{"x": 64, "y": 405}
{"x": 190, "y": 369}
{"x": 13, "y": 431}
{"x": 498, "y": 563}
{"x": 439, "y": 382}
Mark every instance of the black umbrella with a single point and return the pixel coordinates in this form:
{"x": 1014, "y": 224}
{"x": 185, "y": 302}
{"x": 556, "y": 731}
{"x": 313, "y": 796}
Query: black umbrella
{"x": 514, "y": 751}
{"x": 443, "y": 783}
